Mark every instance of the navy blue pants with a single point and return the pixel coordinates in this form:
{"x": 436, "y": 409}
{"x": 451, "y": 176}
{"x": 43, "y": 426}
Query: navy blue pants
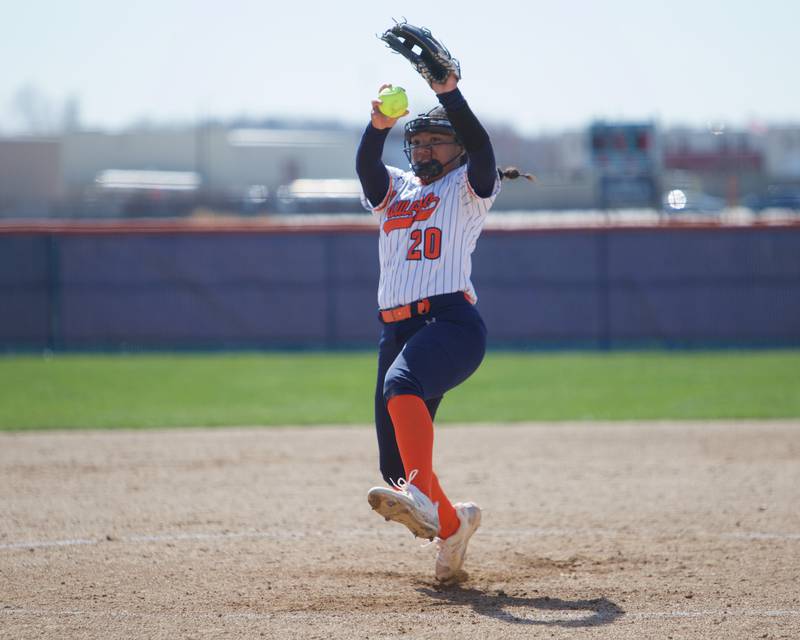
{"x": 425, "y": 356}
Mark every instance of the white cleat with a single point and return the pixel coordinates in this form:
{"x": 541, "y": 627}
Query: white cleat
{"x": 453, "y": 550}
{"x": 407, "y": 505}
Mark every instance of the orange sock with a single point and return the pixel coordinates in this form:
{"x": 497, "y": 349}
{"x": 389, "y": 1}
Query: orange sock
{"x": 413, "y": 430}
{"x": 448, "y": 519}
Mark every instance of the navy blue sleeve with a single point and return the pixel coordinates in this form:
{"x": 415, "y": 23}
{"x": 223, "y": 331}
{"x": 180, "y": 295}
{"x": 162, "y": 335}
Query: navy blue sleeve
{"x": 481, "y": 165}
{"x": 370, "y": 168}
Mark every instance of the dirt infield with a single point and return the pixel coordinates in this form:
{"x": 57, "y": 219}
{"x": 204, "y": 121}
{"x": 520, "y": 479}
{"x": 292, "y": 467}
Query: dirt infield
{"x": 655, "y": 530}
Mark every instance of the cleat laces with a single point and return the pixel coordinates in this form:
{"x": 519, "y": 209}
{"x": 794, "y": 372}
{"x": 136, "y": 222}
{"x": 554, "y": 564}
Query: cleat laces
{"x": 403, "y": 486}
{"x": 403, "y": 483}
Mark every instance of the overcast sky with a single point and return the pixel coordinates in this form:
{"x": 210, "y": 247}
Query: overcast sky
{"x": 536, "y": 66}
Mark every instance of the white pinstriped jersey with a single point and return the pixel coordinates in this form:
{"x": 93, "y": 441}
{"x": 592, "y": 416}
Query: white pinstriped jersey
{"x": 427, "y": 236}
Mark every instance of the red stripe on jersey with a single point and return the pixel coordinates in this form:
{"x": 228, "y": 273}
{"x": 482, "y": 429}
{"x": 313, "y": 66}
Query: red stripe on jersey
{"x": 390, "y": 193}
{"x": 403, "y": 213}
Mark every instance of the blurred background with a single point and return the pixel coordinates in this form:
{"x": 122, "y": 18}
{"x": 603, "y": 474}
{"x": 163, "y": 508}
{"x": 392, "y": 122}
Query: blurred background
{"x": 182, "y": 174}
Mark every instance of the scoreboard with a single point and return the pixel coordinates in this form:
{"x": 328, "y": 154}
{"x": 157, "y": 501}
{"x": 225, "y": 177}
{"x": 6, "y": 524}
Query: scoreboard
{"x": 624, "y": 160}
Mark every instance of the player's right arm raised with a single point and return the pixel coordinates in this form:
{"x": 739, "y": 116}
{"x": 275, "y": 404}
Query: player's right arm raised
{"x": 370, "y": 168}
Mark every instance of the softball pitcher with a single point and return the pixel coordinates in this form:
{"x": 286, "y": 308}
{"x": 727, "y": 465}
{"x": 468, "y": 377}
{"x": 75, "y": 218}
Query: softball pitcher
{"x": 433, "y": 337}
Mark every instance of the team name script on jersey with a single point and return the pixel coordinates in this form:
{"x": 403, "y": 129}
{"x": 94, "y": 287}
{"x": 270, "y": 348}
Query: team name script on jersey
{"x": 403, "y": 213}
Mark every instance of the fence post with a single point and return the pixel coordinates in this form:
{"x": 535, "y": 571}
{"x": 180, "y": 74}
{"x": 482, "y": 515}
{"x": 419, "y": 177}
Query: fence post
{"x": 329, "y": 253}
{"x": 53, "y": 284}
{"x": 603, "y": 290}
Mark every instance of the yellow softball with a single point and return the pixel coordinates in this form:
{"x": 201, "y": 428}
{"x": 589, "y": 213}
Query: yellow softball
{"x": 394, "y": 101}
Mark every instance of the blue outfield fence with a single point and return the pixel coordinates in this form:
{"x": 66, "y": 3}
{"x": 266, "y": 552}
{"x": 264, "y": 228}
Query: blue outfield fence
{"x": 172, "y": 286}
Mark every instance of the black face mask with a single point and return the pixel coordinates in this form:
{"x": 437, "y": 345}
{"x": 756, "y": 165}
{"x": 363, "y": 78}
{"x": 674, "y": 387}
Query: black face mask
{"x": 427, "y": 170}
{"x": 431, "y": 169}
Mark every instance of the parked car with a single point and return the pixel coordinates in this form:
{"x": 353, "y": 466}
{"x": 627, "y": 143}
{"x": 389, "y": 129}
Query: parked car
{"x": 689, "y": 201}
{"x": 776, "y": 197}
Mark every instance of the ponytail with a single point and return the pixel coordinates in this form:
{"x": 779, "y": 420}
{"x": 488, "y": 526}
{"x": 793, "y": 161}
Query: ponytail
{"x": 512, "y": 173}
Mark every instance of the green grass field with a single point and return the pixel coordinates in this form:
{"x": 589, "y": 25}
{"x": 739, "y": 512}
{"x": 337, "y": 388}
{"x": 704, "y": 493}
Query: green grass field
{"x": 135, "y": 391}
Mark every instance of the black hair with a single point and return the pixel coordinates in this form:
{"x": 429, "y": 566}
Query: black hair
{"x": 512, "y": 173}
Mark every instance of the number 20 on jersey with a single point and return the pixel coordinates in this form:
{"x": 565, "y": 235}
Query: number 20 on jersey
{"x": 425, "y": 242}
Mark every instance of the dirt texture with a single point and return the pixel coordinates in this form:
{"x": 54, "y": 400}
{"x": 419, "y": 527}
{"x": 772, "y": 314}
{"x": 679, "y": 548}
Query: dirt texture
{"x": 595, "y": 530}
